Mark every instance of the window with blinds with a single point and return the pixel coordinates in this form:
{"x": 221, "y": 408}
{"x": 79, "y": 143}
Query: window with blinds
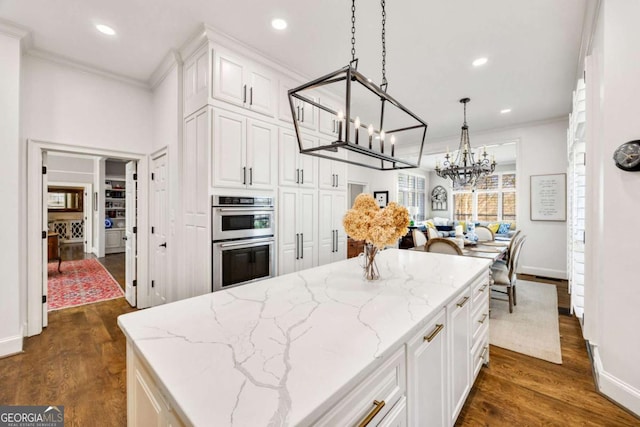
{"x": 412, "y": 193}
{"x": 493, "y": 200}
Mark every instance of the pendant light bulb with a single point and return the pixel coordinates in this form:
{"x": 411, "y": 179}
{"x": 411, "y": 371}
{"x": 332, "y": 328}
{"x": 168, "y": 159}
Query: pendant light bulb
{"x": 370, "y": 130}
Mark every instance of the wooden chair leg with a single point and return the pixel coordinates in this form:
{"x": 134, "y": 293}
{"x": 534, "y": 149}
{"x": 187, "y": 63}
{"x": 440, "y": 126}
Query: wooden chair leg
{"x": 510, "y": 295}
{"x": 515, "y": 301}
{"x": 59, "y": 262}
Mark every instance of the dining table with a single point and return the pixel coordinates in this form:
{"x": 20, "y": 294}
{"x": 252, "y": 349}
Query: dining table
{"x": 491, "y": 250}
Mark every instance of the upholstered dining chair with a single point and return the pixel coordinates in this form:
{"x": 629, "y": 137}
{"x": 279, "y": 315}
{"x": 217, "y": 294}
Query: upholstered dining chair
{"x": 419, "y": 239}
{"x": 512, "y": 244}
{"x": 484, "y": 233}
{"x": 443, "y": 246}
{"x": 432, "y": 233}
{"x": 503, "y": 277}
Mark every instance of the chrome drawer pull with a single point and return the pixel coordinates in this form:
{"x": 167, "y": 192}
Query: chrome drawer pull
{"x": 373, "y": 413}
{"x": 435, "y": 332}
{"x": 463, "y": 302}
{"x": 484, "y": 352}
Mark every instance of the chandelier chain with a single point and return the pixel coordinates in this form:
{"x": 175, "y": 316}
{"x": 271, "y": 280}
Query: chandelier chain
{"x": 384, "y": 44}
{"x": 353, "y": 30}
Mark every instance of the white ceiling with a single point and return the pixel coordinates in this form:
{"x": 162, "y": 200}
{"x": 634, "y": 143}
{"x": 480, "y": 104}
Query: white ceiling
{"x": 532, "y": 46}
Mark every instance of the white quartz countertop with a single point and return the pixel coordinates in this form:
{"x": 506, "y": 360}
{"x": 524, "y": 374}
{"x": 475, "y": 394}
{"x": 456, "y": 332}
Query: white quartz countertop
{"x": 276, "y": 352}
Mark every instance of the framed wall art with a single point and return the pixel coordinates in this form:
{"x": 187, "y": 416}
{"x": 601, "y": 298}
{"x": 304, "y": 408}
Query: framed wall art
{"x": 382, "y": 197}
{"x": 439, "y": 198}
{"x": 549, "y": 197}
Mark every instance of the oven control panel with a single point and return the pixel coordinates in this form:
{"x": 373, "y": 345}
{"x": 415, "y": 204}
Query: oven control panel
{"x": 241, "y": 201}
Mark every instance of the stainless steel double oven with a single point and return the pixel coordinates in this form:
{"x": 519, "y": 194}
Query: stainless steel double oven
{"x": 243, "y": 230}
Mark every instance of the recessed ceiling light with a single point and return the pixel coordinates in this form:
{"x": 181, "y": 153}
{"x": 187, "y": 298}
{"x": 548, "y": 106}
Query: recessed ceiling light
{"x": 279, "y": 24}
{"x": 505, "y": 111}
{"x": 105, "y": 29}
{"x": 480, "y": 61}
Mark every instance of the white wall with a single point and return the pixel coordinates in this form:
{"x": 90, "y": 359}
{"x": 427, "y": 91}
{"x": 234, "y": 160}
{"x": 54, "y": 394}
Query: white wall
{"x": 12, "y": 277}
{"x": 613, "y": 257}
{"x": 541, "y": 150}
{"x": 69, "y": 169}
{"x": 382, "y": 180}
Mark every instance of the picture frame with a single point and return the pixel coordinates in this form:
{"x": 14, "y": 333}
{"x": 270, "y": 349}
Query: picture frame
{"x": 548, "y": 195}
{"x": 382, "y": 197}
{"x": 439, "y": 198}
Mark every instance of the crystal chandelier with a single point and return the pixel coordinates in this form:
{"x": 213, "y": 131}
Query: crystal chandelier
{"x": 465, "y": 170}
{"x": 370, "y": 127}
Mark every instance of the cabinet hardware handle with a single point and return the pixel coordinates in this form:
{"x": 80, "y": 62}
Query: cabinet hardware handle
{"x": 483, "y": 287}
{"x": 303, "y": 113}
{"x": 301, "y": 246}
{"x": 484, "y": 352}
{"x": 302, "y": 179}
{"x": 244, "y": 175}
{"x": 251, "y": 96}
{"x": 336, "y": 180}
{"x": 336, "y": 240}
{"x": 435, "y": 332}
{"x": 334, "y": 126}
{"x": 297, "y": 246}
{"x": 298, "y": 113}
{"x": 124, "y": 238}
{"x": 297, "y": 176}
{"x": 463, "y": 302}
{"x": 377, "y": 407}
{"x": 484, "y": 317}
{"x": 250, "y": 176}
{"x": 164, "y": 245}
{"x": 244, "y": 94}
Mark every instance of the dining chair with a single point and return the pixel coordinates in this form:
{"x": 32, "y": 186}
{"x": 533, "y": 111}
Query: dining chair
{"x": 512, "y": 243}
{"x": 443, "y": 246}
{"x": 484, "y": 233}
{"x": 503, "y": 278}
{"x": 419, "y": 239}
{"x": 432, "y": 233}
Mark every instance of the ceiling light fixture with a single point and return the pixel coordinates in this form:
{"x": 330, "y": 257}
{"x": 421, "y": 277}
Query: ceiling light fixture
{"x": 105, "y": 29}
{"x": 465, "y": 170}
{"x": 479, "y": 62}
{"x": 505, "y": 111}
{"x": 365, "y": 109}
{"x": 279, "y": 24}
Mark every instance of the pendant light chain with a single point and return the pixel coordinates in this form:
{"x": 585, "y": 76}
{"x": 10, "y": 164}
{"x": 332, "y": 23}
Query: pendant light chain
{"x": 384, "y": 46}
{"x": 353, "y": 30}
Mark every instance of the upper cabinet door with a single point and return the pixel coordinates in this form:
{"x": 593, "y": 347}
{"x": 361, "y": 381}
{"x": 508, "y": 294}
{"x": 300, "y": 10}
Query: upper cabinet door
{"x": 261, "y": 154}
{"x": 229, "y": 79}
{"x": 328, "y": 124}
{"x": 305, "y": 113}
{"x": 229, "y": 166}
{"x": 261, "y": 86}
{"x": 196, "y": 81}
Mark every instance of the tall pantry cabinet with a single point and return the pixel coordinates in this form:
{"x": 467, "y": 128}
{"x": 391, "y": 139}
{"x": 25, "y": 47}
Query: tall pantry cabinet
{"x": 239, "y": 139}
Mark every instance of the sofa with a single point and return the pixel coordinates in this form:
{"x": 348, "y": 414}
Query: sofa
{"x": 447, "y": 227}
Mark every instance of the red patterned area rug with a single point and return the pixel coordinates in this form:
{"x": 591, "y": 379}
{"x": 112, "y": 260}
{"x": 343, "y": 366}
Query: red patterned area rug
{"x": 81, "y": 282}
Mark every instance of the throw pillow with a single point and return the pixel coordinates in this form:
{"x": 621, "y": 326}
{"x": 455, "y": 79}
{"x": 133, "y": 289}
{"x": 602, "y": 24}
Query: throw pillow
{"x": 463, "y": 224}
{"x": 504, "y": 228}
{"x": 494, "y": 227}
{"x": 430, "y": 224}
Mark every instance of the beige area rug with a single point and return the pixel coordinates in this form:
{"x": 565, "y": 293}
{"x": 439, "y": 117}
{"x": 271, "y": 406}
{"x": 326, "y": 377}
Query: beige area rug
{"x": 533, "y": 327}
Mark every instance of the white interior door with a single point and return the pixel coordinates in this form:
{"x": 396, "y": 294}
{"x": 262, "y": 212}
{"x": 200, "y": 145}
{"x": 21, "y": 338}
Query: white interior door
{"x": 45, "y": 241}
{"x": 159, "y": 227}
{"x": 130, "y": 235}
{"x": 87, "y": 214}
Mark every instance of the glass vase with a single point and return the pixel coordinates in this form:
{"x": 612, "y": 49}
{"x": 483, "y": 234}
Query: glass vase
{"x": 368, "y": 262}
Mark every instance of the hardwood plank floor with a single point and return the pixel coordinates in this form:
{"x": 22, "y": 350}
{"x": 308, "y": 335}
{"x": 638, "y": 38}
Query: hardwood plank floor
{"x": 517, "y": 390}
{"x": 114, "y": 263}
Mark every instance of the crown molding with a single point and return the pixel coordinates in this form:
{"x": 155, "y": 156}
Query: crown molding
{"x": 171, "y": 60}
{"x": 589, "y": 27}
{"x": 193, "y": 43}
{"x": 63, "y": 60}
{"x": 12, "y": 29}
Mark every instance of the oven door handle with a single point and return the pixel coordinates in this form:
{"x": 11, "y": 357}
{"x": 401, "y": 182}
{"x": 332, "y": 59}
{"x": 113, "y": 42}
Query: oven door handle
{"x": 251, "y": 243}
{"x": 245, "y": 210}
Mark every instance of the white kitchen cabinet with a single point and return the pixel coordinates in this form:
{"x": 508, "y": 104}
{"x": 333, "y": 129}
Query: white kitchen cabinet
{"x": 427, "y": 373}
{"x": 306, "y": 113}
{"x": 295, "y": 169}
{"x": 332, "y": 240}
{"x": 196, "y": 80}
{"x": 332, "y": 173}
{"x": 327, "y": 122}
{"x": 397, "y": 417}
{"x": 244, "y": 152}
{"x": 114, "y": 240}
{"x": 242, "y": 82}
{"x": 297, "y": 225}
{"x": 458, "y": 320}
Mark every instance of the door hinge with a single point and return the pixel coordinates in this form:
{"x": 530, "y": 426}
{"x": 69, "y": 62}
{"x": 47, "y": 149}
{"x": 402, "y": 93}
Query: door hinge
{"x": 44, "y": 170}
{"x": 44, "y": 299}
{"x": 44, "y": 234}
{"x": 135, "y": 283}
{"x": 153, "y": 283}
{"x": 135, "y": 176}
{"x": 153, "y": 229}
{"x": 135, "y": 230}
{"x": 153, "y": 176}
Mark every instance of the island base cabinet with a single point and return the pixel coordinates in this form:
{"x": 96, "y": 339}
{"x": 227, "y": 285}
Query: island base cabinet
{"x": 459, "y": 352}
{"x": 427, "y": 374}
{"x": 373, "y": 399}
{"x": 397, "y": 417}
{"x": 146, "y": 405}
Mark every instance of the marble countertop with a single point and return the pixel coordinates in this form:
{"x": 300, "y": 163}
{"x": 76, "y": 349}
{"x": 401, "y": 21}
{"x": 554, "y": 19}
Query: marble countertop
{"x": 276, "y": 352}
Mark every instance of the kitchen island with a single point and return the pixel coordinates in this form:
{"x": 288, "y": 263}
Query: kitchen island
{"x": 312, "y": 347}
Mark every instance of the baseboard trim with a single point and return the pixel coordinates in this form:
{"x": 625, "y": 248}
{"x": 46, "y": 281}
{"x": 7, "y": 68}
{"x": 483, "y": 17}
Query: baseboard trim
{"x": 614, "y": 389}
{"x": 544, "y": 272}
{"x": 11, "y": 345}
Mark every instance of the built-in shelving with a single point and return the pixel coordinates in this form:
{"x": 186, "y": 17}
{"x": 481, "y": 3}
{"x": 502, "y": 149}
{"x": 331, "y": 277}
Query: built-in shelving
{"x": 114, "y": 211}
